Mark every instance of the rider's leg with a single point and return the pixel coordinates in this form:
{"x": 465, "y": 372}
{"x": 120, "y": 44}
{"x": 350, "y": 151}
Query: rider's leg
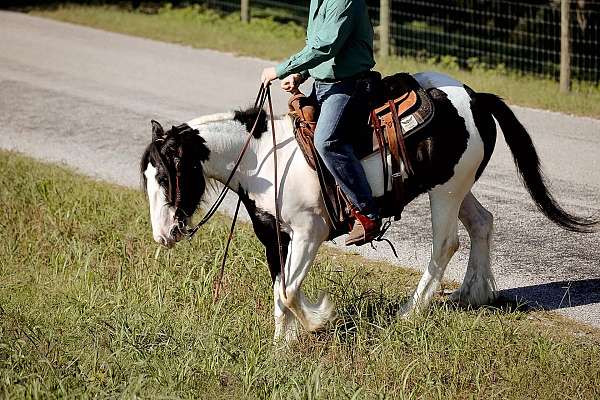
{"x": 333, "y": 144}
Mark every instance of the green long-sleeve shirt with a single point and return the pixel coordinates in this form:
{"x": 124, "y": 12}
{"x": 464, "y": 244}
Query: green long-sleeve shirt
{"x": 339, "y": 42}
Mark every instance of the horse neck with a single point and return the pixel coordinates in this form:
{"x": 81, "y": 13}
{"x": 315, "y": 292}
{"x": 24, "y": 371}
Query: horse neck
{"x": 225, "y": 140}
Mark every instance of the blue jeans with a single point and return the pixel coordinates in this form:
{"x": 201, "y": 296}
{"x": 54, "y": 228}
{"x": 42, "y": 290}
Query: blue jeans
{"x": 332, "y": 141}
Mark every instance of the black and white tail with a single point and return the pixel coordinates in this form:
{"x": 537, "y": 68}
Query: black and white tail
{"x": 528, "y": 166}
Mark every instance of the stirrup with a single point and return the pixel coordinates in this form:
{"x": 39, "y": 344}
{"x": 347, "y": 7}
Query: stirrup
{"x": 365, "y": 230}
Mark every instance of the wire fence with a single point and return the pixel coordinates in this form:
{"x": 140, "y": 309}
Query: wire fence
{"x": 515, "y": 35}
{"x": 503, "y": 34}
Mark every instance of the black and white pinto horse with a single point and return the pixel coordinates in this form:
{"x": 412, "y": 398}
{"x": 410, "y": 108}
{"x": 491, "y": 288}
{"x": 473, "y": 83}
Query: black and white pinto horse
{"x": 447, "y": 162}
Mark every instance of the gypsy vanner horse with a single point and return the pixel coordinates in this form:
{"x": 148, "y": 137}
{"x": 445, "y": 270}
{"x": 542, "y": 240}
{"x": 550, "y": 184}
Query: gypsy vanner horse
{"x": 448, "y": 158}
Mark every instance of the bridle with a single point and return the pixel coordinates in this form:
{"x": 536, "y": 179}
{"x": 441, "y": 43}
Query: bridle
{"x": 264, "y": 95}
{"x": 180, "y": 214}
{"x": 178, "y": 174}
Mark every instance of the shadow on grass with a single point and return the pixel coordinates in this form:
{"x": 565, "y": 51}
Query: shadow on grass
{"x": 372, "y": 309}
{"x": 367, "y": 310}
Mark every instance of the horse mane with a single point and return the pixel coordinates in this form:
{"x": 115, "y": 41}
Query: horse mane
{"x": 249, "y": 116}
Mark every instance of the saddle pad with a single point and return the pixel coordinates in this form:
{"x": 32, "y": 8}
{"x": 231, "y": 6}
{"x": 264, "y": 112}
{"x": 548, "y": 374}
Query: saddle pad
{"x": 414, "y": 107}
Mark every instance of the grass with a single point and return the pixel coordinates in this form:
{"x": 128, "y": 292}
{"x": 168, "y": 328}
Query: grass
{"x": 90, "y": 308}
{"x": 193, "y": 26}
{"x": 265, "y": 37}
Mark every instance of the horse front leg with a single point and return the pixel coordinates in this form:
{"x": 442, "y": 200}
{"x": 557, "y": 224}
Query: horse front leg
{"x": 286, "y": 325}
{"x": 302, "y": 251}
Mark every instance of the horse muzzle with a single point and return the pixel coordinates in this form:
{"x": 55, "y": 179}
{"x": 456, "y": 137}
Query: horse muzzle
{"x": 178, "y": 231}
{"x": 165, "y": 241}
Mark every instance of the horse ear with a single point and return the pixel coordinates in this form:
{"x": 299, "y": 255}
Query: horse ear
{"x": 157, "y": 131}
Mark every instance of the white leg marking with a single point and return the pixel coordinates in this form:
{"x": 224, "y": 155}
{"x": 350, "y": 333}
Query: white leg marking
{"x": 444, "y": 221}
{"x": 286, "y": 324}
{"x": 478, "y": 286}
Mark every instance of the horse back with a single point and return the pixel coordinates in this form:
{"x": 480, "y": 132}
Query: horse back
{"x": 458, "y": 123}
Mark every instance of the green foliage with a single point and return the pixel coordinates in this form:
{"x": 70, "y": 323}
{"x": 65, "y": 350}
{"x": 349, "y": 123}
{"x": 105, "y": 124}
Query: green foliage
{"x": 522, "y": 35}
{"x": 450, "y": 62}
{"x": 89, "y": 307}
{"x": 195, "y": 26}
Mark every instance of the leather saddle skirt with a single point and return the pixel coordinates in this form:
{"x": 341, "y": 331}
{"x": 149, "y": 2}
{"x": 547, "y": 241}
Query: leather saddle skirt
{"x": 412, "y": 103}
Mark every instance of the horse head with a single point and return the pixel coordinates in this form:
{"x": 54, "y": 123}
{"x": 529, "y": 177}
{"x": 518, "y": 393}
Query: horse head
{"x": 173, "y": 178}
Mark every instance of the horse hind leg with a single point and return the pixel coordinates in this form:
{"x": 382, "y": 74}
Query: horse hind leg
{"x": 479, "y": 286}
{"x": 445, "y": 205}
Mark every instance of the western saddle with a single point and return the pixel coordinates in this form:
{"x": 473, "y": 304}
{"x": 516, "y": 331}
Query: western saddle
{"x": 391, "y": 111}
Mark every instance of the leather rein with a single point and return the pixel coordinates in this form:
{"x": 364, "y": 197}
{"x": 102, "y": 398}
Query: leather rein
{"x": 264, "y": 95}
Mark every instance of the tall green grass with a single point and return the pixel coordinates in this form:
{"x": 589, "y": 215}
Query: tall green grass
{"x": 267, "y": 38}
{"x": 90, "y": 308}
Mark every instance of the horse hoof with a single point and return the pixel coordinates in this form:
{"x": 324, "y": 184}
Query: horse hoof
{"x": 457, "y": 297}
{"x": 407, "y": 310}
{"x": 473, "y": 298}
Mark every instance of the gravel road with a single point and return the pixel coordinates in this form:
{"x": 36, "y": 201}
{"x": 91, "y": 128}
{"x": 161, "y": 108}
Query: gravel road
{"x": 84, "y": 97}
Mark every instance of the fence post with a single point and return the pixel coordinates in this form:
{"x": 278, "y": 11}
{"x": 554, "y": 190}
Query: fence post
{"x": 384, "y": 28}
{"x": 565, "y": 46}
{"x": 245, "y": 10}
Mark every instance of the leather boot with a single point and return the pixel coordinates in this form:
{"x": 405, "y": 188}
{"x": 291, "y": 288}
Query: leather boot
{"x": 364, "y": 231}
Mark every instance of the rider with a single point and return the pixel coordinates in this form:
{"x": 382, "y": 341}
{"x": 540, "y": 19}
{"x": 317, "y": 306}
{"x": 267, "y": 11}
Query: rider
{"x": 338, "y": 51}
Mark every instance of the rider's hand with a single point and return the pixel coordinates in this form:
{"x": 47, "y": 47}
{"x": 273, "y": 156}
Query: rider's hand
{"x": 291, "y": 82}
{"x": 268, "y": 75}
